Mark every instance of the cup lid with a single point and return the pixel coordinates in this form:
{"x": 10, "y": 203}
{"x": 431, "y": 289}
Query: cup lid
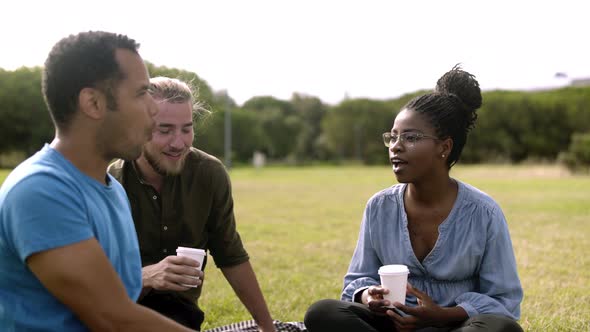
{"x": 393, "y": 269}
{"x": 188, "y": 250}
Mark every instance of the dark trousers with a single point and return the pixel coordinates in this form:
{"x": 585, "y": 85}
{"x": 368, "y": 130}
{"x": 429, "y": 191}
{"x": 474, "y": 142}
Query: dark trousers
{"x": 175, "y": 307}
{"x": 342, "y": 316}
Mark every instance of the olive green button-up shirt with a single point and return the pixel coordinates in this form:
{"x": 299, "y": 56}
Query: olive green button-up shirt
{"x": 194, "y": 209}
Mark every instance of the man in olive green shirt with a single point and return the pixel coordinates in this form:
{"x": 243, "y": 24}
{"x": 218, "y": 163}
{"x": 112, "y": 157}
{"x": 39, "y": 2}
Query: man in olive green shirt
{"x": 181, "y": 196}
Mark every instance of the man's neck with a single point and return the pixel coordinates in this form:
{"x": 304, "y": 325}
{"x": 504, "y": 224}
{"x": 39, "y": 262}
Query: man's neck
{"x": 148, "y": 174}
{"x": 83, "y": 154}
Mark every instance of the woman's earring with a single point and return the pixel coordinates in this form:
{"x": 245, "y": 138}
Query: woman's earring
{"x": 443, "y": 155}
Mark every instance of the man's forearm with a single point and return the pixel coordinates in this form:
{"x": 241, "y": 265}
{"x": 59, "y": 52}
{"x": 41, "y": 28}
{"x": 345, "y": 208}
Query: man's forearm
{"x": 81, "y": 277}
{"x": 146, "y": 286}
{"x": 243, "y": 280}
{"x": 140, "y": 318}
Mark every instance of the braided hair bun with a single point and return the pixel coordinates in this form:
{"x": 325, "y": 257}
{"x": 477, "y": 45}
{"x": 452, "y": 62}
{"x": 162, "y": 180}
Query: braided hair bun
{"x": 460, "y": 84}
{"x": 450, "y": 109}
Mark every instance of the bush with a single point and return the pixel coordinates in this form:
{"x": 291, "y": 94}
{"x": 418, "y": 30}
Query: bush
{"x": 577, "y": 157}
{"x": 12, "y": 159}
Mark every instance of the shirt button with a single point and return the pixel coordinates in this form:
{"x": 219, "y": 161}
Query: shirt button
{"x": 165, "y": 228}
{"x": 155, "y": 197}
{"x": 164, "y": 250}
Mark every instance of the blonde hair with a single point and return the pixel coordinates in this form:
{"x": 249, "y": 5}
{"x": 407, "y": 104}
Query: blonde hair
{"x": 173, "y": 90}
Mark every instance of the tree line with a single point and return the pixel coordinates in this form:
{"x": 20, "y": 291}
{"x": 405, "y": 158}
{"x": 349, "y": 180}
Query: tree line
{"x": 512, "y": 126}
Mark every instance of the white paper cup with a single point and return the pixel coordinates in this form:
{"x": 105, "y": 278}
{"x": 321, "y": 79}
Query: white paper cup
{"x": 394, "y": 278}
{"x": 193, "y": 253}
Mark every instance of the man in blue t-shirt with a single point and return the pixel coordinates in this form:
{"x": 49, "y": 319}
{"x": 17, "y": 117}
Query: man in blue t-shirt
{"x": 69, "y": 257}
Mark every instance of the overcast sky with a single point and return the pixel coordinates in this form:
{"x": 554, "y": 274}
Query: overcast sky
{"x": 328, "y": 49}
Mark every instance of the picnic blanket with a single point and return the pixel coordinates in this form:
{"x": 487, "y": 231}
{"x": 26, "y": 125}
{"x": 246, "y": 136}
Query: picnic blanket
{"x": 250, "y": 326}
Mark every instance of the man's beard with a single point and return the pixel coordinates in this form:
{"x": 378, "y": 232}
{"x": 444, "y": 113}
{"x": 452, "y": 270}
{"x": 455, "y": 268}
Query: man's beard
{"x": 160, "y": 167}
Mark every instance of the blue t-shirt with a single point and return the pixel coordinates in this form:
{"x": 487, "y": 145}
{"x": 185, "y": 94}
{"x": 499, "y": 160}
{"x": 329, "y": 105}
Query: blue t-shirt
{"x": 45, "y": 203}
{"x": 472, "y": 264}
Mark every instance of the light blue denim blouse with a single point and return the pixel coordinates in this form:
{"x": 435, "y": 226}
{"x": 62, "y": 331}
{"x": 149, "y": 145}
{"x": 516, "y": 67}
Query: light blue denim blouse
{"x": 472, "y": 264}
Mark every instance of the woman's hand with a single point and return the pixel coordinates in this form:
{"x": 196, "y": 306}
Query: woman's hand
{"x": 427, "y": 313}
{"x": 373, "y": 297}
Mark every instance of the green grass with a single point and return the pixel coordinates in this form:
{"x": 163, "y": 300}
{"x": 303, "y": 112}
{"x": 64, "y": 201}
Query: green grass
{"x": 3, "y": 174}
{"x": 300, "y": 227}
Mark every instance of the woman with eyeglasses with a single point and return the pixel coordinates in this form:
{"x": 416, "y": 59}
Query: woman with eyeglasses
{"x": 452, "y": 237}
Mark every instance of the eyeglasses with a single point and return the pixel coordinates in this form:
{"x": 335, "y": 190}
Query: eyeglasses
{"x": 407, "y": 139}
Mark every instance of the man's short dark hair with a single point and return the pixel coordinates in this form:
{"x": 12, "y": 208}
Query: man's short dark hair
{"x": 79, "y": 61}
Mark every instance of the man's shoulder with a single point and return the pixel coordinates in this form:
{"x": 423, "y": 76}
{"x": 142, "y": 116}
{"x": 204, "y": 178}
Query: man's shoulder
{"x": 116, "y": 169}
{"x": 200, "y": 155}
{"x": 199, "y": 158}
{"x": 40, "y": 171}
{"x": 205, "y": 169}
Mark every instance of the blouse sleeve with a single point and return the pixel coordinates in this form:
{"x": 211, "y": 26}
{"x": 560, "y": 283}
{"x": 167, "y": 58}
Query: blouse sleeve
{"x": 362, "y": 271}
{"x": 500, "y": 291}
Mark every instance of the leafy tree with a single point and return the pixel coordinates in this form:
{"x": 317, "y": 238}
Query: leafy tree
{"x": 205, "y": 94}
{"x": 353, "y": 129}
{"x": 512, "y": 125}
{"x": 577, "y": 157}
{"x": 278, "y": 125}
{"x": 264, "y": 103}
{"x": 245, "y": 133}
{"x": 25, "y": 123}
{"x": 310, "y": 111}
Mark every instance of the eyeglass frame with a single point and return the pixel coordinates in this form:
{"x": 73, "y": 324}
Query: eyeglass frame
{"x": 389, "y": 141}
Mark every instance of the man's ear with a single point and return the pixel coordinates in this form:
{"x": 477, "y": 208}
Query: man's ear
{"x": 92, "y": 103}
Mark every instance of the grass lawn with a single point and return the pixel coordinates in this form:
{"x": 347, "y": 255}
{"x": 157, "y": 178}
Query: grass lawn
{"x": 300, "y": 227}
